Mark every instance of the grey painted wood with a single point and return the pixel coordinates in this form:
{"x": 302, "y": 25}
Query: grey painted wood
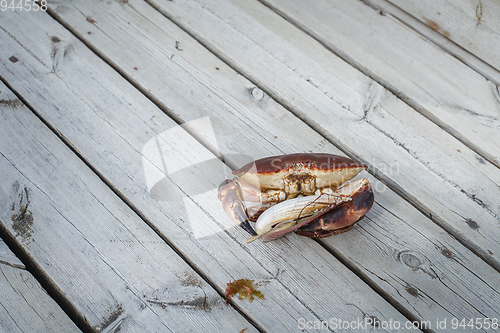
{"x": 400, "y": 266}
{"x": 430, "y": 168}
{"x": 113, "y": 127}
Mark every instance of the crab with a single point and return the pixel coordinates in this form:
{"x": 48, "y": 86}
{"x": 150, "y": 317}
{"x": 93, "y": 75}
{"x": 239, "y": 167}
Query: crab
{"x": 297, "y": 192}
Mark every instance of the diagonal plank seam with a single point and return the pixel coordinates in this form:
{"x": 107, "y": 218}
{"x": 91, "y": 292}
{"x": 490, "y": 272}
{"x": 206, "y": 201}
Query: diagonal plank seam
{"x": 130, "y": 80}
{"x": 411, "y": 317}
{"x": 117, "y": 192}
{"x": 123, "y": 197}
{"x": 147, "y": 94}
{"x": 440, "y": 175}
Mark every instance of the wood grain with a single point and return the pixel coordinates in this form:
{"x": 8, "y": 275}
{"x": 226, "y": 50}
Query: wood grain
{"x": 95, "y": 251}
{"x": 449, "y": 182}
{"x": 9, "y": 258}
{"x": 396, "y": 266}
{"x": 24, "y": 304}
{"x": 109, "y": 123}
{"x": 472, "y": 24}
{"x": 432, "y": 81}
{"x": 435, "y": 36}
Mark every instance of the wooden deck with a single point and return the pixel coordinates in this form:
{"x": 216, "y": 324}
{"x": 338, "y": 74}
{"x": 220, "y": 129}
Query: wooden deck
{"x": 119, "y": 119}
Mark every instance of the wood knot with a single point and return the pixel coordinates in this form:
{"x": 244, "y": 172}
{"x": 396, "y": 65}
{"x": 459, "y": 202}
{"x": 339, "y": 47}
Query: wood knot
{"x": 417, "y": 262}
{"x": 412, "y": 291}
{"x": 472, "y": 224}
{"x": 409, "y": 259}
{"x": 447, "y": 253}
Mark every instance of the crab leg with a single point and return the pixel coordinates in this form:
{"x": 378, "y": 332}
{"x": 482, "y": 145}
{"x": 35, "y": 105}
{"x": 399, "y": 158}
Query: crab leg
{"x": 232, "y": 204}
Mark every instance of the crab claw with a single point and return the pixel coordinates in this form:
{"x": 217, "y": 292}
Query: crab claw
{"x": 292, "y": 214}
{"x": 232, "y": 205}
{"x": 317, "y": 216}
{"x": 344, "y": 217}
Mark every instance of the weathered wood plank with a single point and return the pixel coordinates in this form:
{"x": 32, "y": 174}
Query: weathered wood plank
{"x": 99, "y": 255}
{"x": 392, "y": 265}
{"x": 430, "y": 33}
{"x": 114, "y": 128}
{"x": 472, "y": 24}
{"x": 437, "y": 173}
{"x": 432, "y": 81}
{"x": 24, "y": 304}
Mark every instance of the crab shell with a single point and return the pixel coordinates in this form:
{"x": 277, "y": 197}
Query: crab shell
{"x": 297, "y": 174}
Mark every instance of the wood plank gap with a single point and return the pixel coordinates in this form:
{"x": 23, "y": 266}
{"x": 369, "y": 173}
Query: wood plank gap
{"x": 324, "y": 133}
{"x": 45, "y": 281}
{"x": 377, "y": 78}
{"x": 37, "y": 271}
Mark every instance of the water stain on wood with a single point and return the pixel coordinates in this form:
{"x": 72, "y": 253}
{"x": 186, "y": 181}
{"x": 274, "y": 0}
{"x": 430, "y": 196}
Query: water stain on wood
{"x": 436, "y": 27}
{"x": 189, "y": 295}
{"x": 199, "y": 303}
{"x": 191, "y": 281}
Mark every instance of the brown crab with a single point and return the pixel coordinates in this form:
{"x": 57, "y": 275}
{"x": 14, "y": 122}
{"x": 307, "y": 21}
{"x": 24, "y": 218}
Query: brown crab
{"x": 297, "y": 192}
